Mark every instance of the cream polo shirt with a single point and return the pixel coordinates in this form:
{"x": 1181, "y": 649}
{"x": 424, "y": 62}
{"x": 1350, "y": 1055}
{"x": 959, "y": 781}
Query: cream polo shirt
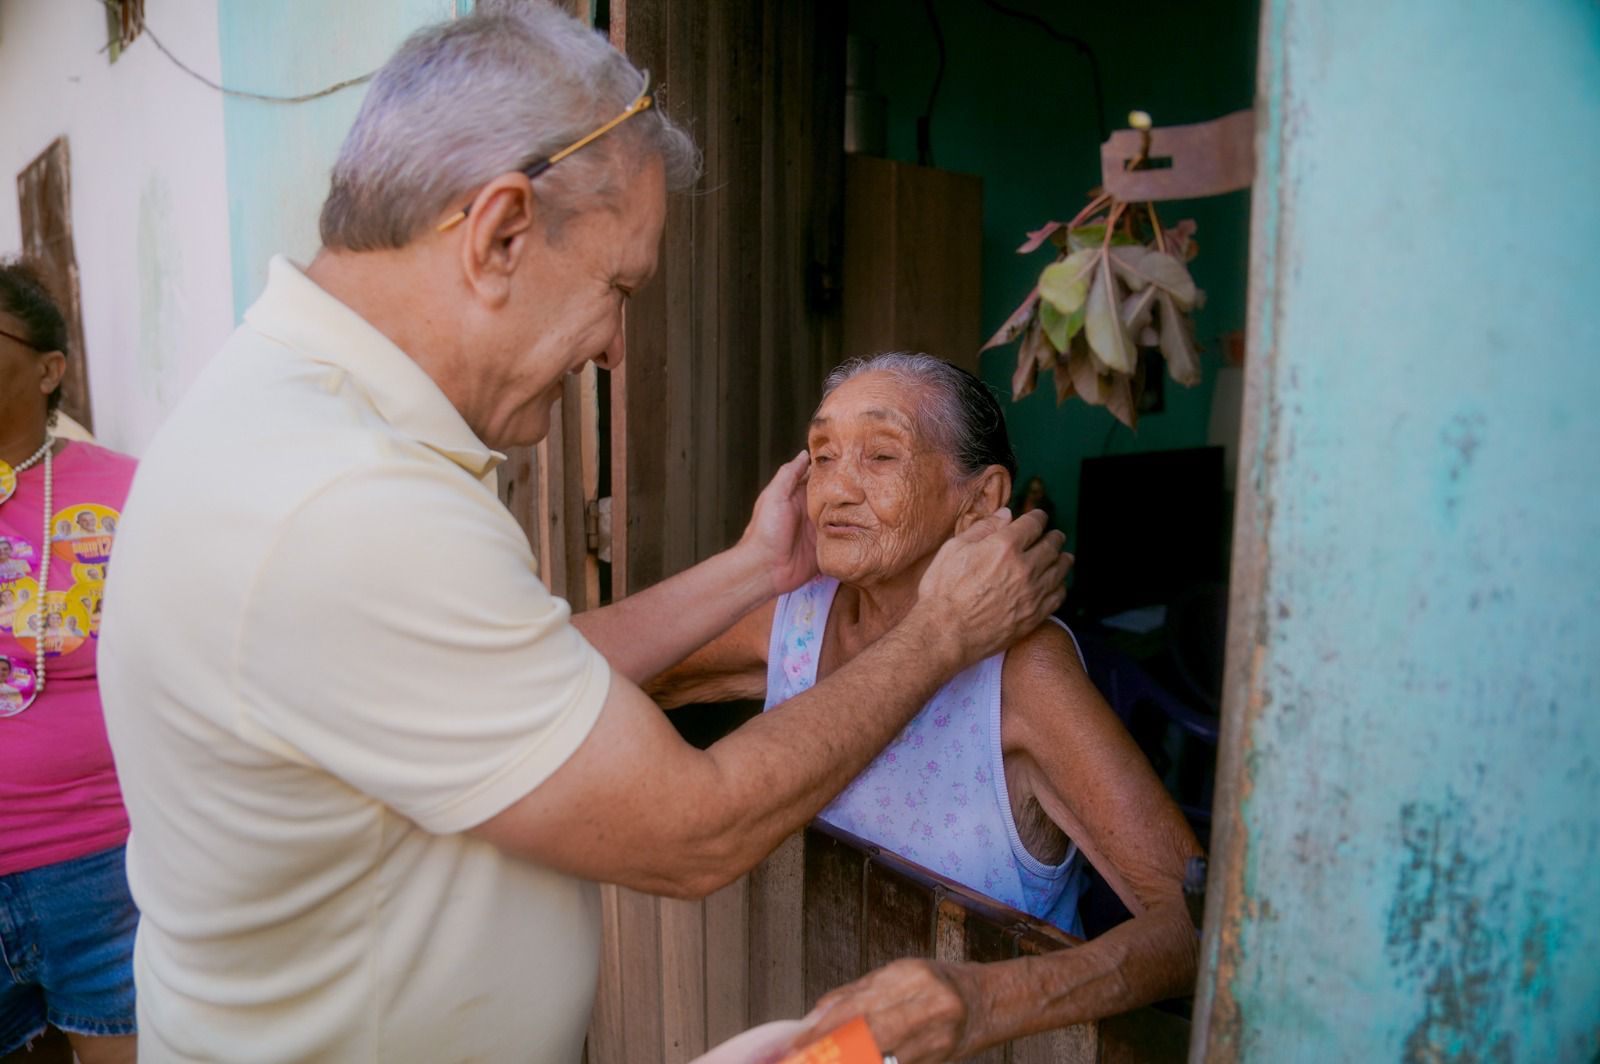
{"x": 325, "y": 654}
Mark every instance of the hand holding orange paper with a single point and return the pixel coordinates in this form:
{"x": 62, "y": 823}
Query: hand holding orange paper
{"x": 851, "y": 1044}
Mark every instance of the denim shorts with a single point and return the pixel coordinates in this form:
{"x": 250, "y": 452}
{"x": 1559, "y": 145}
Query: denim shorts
{"x": 66, "y": 949}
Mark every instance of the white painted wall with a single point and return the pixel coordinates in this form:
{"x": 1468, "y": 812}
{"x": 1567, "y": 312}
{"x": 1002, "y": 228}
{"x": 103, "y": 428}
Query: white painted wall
{"x": 149, "y": 192}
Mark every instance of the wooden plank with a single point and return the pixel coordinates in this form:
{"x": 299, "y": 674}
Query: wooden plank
{"x": 571, "y": 544}
{"x": 44, "y": 200}
{"x": 553, "y": 477}
{"x": 988, "y": 941}
{"x": 697, "y": 51}
{"x": 777, "y": 895}
{"x": 952, "y": 920}
{"x": 620, "y": 492}
{"x": 517, "y": 483}
{"x": 801, "y": 218}
{"x": 727, "y": 942}
{"x": 605, "y": 1042}
{"x": 832, "y": 920}
{"x": 897, "y": 917}
{"x": 683, "y": 980}
{"x": 542, "y": 494}
{"x": 686, "y": 360}
{"x": 908, "y": 284}
{"x": 645, "y": 406}
{"x": 1204, "y": 159}
{"x": 639, "y": 953}
{"x": 587, "y": 383}
{"x": 1070, "y": 1045}
{"x": 949, "y": 930}
{"x": 735, "y": 100}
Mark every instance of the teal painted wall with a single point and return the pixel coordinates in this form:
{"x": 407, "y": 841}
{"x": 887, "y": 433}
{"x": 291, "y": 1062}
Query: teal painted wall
{"x": 1408, "y": 832}
{"x": 1018, "y": 108}
{"x": 279, "y": 155}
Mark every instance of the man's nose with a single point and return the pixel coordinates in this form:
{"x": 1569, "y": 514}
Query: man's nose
{"x": 611, "y": 357}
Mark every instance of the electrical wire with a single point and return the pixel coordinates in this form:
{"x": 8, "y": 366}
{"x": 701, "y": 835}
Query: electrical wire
{"x": 1079, "y": 43}
{"x": 239, "y": 93}
{"x": 925, "y": 123}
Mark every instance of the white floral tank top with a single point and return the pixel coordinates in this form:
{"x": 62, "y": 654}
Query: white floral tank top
{"x": 937, "y": 794}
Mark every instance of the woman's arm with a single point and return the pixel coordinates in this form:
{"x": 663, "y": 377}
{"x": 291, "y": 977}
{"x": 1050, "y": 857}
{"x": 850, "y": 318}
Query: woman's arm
{"x": 1072, "y": 755}
{"x": 731, "y": 666}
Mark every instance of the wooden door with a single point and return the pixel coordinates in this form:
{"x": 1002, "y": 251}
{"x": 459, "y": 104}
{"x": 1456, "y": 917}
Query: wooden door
{"x": 724, "y": 354}
{"x": 44, "y": 198}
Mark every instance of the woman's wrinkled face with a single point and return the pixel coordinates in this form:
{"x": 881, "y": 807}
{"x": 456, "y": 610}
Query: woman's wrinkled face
{"x": 881, "y": 495}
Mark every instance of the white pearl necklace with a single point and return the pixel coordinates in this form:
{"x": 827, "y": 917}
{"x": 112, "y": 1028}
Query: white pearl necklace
{"x": 44, "y": 565}
{"x": 45, "y": 452}
{"x": 35, "y": 456}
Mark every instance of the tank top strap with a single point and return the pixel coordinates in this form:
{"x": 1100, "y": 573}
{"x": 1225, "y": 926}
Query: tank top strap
{"x": 798, "y": 625}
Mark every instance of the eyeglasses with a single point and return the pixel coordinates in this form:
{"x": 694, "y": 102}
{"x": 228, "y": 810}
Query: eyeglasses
{"x": 19, "y": 339}
{"x": 642, "y": 102}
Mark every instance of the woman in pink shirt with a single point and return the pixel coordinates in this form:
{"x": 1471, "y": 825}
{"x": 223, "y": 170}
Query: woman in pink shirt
{"x": 66, "y": 918}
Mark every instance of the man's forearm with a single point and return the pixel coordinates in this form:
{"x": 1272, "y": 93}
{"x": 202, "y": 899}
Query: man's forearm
{"x": 647, "y": 633}
{"x": 778, "y": 770}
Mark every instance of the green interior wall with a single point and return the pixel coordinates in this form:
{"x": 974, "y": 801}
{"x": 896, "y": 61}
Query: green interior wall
{"x": 1017, "y": 108}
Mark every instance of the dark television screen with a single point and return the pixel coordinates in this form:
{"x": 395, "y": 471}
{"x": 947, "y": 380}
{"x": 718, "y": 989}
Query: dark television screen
{"x": 1149, "y": 527}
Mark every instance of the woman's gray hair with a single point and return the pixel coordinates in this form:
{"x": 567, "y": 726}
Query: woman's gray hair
{"x": 464, "y": 101}
{"x": 956, "y": 410}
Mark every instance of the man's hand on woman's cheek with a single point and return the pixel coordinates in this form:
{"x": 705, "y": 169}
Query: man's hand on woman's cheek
{"x": 780, "y": 538}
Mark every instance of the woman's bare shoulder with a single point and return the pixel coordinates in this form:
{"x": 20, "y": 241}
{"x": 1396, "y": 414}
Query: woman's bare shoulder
{"x": 1043, "y": 688}
{"x": 1041, "y": 661}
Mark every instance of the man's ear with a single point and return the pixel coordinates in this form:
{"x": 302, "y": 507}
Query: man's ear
{"x": 500, "y": 232}
{"x": 987, "y": 494}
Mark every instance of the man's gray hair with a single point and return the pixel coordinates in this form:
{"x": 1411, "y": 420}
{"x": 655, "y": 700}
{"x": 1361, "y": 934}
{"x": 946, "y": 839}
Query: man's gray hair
{"x": 955, "y": 409}
{"x": 464, "y": 101}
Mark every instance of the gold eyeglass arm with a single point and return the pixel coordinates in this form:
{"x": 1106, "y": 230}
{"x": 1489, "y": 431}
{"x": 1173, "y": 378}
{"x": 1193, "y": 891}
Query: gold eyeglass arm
{"x": 643, "y": 103}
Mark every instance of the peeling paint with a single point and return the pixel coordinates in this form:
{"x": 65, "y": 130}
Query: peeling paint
{"x": 1407, "y": 822}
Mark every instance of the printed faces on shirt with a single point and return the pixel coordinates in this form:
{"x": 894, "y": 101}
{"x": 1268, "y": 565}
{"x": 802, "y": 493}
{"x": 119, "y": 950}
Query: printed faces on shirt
{"x": 81, "y": 538}
{"x": 16, "y": 684}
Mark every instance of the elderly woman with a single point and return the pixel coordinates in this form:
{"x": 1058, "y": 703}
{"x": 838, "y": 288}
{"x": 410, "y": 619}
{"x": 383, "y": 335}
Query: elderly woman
{"x": 1010, "y": 775}
{"x": 63, "y": 890}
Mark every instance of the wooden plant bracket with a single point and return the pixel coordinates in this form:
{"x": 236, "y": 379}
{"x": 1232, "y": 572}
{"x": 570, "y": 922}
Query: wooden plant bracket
{"x": 1207, "y": 159}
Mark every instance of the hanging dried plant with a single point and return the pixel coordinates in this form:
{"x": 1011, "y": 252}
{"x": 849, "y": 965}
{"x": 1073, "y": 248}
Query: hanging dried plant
{"x": 1119, "y": 287}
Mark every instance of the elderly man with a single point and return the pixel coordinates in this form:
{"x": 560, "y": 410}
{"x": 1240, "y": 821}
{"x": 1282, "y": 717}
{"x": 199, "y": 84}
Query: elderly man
{"x": 369, "y": 801}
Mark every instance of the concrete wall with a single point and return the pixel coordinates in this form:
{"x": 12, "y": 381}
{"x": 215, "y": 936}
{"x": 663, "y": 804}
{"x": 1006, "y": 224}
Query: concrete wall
{"x": 1408, "y": 825}
{"x": 148, "y": 193}
{"x": 279, "y": 155}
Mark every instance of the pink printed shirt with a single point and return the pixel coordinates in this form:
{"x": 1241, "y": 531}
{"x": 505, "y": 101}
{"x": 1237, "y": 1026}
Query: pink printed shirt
{"x": 59, "y": 797}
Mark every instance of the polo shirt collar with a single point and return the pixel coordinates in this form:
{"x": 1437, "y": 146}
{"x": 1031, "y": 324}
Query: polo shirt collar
{"x": 296, "y": 311}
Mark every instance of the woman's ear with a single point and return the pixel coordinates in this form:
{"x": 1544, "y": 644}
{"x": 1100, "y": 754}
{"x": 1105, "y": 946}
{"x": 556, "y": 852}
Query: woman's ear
{"x": 988, "y": 493}
{"x": 52, "y": 367}
{"x": 499, "y": 233}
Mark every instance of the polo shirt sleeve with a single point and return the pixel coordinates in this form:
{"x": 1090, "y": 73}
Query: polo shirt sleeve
{"x": 398, "y": 637}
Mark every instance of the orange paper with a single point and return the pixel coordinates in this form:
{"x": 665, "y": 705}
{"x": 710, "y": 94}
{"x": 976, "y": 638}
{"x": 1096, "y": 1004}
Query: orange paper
{"x": 851, "y": 1044}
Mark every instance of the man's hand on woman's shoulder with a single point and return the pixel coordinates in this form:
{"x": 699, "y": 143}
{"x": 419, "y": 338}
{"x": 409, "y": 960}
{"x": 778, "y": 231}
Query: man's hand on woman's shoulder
{"x": 992, "y": 584}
